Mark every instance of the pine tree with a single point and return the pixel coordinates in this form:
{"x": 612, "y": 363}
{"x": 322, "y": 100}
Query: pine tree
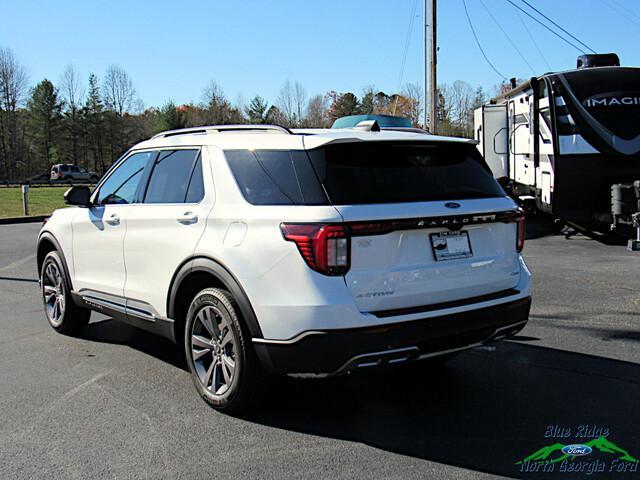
{"x": 93, "y": 113}
{"x": 256, "y": 110}
{"x": 45, "y": 114}
{"x": 345, "y": 104}
{"x": 170, "y": 118}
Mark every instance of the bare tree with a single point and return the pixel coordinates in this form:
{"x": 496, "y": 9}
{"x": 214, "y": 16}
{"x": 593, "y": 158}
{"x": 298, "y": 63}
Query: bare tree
{"x": 286, "y": 103}
{"x": 299, "y": 98}
{"x": 217, "y": 109}
{"x": 413, "y": 93}
{"x": 213, "y": 95}
{"x": 317, "y": 112}
{"x": 456, "y": 108}
{"x": 118, "y": 91}
{"x": 73, "y": 97}
{"x": 13, "y": 90}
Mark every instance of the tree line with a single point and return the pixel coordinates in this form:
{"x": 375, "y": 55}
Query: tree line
{"x": 92, "y": 123}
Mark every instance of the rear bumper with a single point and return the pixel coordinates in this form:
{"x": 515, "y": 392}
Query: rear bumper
{"x": 330, "y": 352}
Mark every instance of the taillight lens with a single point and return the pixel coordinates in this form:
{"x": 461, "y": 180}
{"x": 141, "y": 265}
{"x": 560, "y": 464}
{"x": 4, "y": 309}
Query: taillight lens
{"x": 325, "y": 248}
{"x": 522, "y": 231}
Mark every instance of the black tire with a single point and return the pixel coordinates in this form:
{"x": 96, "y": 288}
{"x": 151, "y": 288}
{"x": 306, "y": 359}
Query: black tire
{"x": 67, "y": 317}
{"x": 210, "y": 363}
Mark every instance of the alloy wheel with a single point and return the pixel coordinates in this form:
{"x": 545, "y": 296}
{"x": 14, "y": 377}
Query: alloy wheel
{"x": 213, "y": 350}
{"x": 53, "y": 293}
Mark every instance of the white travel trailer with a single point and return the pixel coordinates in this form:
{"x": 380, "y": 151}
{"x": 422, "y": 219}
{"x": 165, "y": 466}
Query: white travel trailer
{"x": 569, "y": 141}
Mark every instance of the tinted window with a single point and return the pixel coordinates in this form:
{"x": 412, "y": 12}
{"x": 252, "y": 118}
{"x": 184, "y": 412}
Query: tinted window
{"x": 75, "y": 169}
{"x": 275, "y": 177}
{"x": 171, "y": 176}
{"x": 384, "y": 172}
{"x": 121, "y": 186}
{"x": 195, "y": 192}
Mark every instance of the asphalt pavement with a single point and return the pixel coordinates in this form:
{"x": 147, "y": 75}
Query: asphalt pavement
{"x": 117, "y": 402}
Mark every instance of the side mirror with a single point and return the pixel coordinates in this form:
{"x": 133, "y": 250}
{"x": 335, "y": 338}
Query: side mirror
{"x": 79, "y": 196}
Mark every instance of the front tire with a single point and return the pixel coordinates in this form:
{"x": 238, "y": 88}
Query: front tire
{"x": 222, "y": 362}
{"x": 59, "y": 308}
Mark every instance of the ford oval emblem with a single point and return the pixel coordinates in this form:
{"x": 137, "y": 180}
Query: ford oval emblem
{"x": 452, "y": 205}
{"x": 577, "y": 450}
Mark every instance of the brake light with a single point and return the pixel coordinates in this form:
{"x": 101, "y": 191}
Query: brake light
{"x": 521, "y": 221}
{"x": 325, "y": 248}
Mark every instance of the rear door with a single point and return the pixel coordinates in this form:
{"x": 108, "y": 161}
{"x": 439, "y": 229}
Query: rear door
{"x": 164, "y": 228}
{"x": 425, "y": 222}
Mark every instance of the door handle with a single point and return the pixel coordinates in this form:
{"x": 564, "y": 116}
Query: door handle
{"x": 114, "y": 219}
{"x": 188, "y": 218}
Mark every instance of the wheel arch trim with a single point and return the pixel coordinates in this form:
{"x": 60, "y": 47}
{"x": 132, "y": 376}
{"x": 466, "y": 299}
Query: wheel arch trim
{"x": 224, "y": 275}
{"x": 48, "y": 236}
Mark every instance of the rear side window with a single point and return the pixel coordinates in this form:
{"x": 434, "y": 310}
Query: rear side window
{"x": 275, "y": 177}
{"x": 386, "y": 172}
{"x": 176, "y": 178}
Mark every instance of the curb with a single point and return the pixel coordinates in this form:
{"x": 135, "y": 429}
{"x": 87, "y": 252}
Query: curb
{"x": 32, "y": 219}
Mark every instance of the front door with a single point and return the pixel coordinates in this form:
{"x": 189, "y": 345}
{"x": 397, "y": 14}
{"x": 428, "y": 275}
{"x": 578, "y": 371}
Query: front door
{"x": 99, "y": 231}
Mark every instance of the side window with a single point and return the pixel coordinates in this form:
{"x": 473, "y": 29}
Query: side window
{"x": 172, "y": 175}
{"x": 195, "y": 192}
{"x": 121, "y": 186}
{"x": 75, "y": 169}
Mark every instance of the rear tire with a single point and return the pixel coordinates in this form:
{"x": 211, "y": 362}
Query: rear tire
{"x": 59, "y": 308}
{"x": 223, "y": 364}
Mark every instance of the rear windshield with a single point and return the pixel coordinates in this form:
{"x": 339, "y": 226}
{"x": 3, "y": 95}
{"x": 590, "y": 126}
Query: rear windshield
{"x": 363, "y": 173}
{"x": 381, "y": 172}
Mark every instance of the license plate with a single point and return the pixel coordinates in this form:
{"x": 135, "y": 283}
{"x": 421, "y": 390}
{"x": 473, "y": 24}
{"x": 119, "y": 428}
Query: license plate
{"x": 451, "y": 245}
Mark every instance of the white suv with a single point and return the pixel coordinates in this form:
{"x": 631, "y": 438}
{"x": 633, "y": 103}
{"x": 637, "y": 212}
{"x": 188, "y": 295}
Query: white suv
{"x": 311, "y": 252}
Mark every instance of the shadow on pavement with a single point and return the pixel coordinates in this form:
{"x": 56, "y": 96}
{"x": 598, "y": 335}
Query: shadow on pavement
{"x": 113, "y": 331}
{"x": 483, "y": 411}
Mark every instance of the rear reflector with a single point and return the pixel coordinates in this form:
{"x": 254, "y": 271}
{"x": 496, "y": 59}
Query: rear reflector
{"x": 522, "y": 232}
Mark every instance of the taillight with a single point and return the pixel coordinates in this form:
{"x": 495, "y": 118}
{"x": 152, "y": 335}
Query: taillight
{"x": 521, "y": 221}
{"x": 325, "y": 248}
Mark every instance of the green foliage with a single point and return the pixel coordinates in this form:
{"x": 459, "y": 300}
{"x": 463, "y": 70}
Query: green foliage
{"x": 93, "y": 130}
{"x": 257, "y": 110}
{"x": 45, "y": 115}
{"x": 170, "y": 117}
{"x": 345, "y": 104}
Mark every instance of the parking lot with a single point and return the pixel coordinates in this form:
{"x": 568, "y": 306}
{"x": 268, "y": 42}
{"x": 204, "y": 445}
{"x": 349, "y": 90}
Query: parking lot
{"x": 119, "y": 402}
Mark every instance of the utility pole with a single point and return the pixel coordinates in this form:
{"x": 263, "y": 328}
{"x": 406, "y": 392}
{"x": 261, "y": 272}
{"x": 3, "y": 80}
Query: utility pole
{"x": 426, "y": 68}
{"x": 433, "y": 60}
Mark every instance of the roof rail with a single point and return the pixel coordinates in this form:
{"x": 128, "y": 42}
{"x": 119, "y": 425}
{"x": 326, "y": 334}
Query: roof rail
{"x": 223, "y": 128}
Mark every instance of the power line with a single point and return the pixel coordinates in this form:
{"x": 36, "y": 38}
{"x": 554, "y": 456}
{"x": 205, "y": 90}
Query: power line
{"x": 625, "y": 8}
{"x": 508, "y": 37}
{"x": 473, "y": 30}
{"x": 406, "y": 49}
{"x": 620, "y": 12}
{"x": 533, "y": 40}
{"x": 545, "y": 26}
{"x": 407, "y": 41}
{"x": 560, "y": 27}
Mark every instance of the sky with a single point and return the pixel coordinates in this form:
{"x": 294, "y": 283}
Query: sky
{"x": 172, "y": 50}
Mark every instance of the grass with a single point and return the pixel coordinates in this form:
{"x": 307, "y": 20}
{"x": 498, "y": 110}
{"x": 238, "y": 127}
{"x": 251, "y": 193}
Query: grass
{"x": 42, "y": 200}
